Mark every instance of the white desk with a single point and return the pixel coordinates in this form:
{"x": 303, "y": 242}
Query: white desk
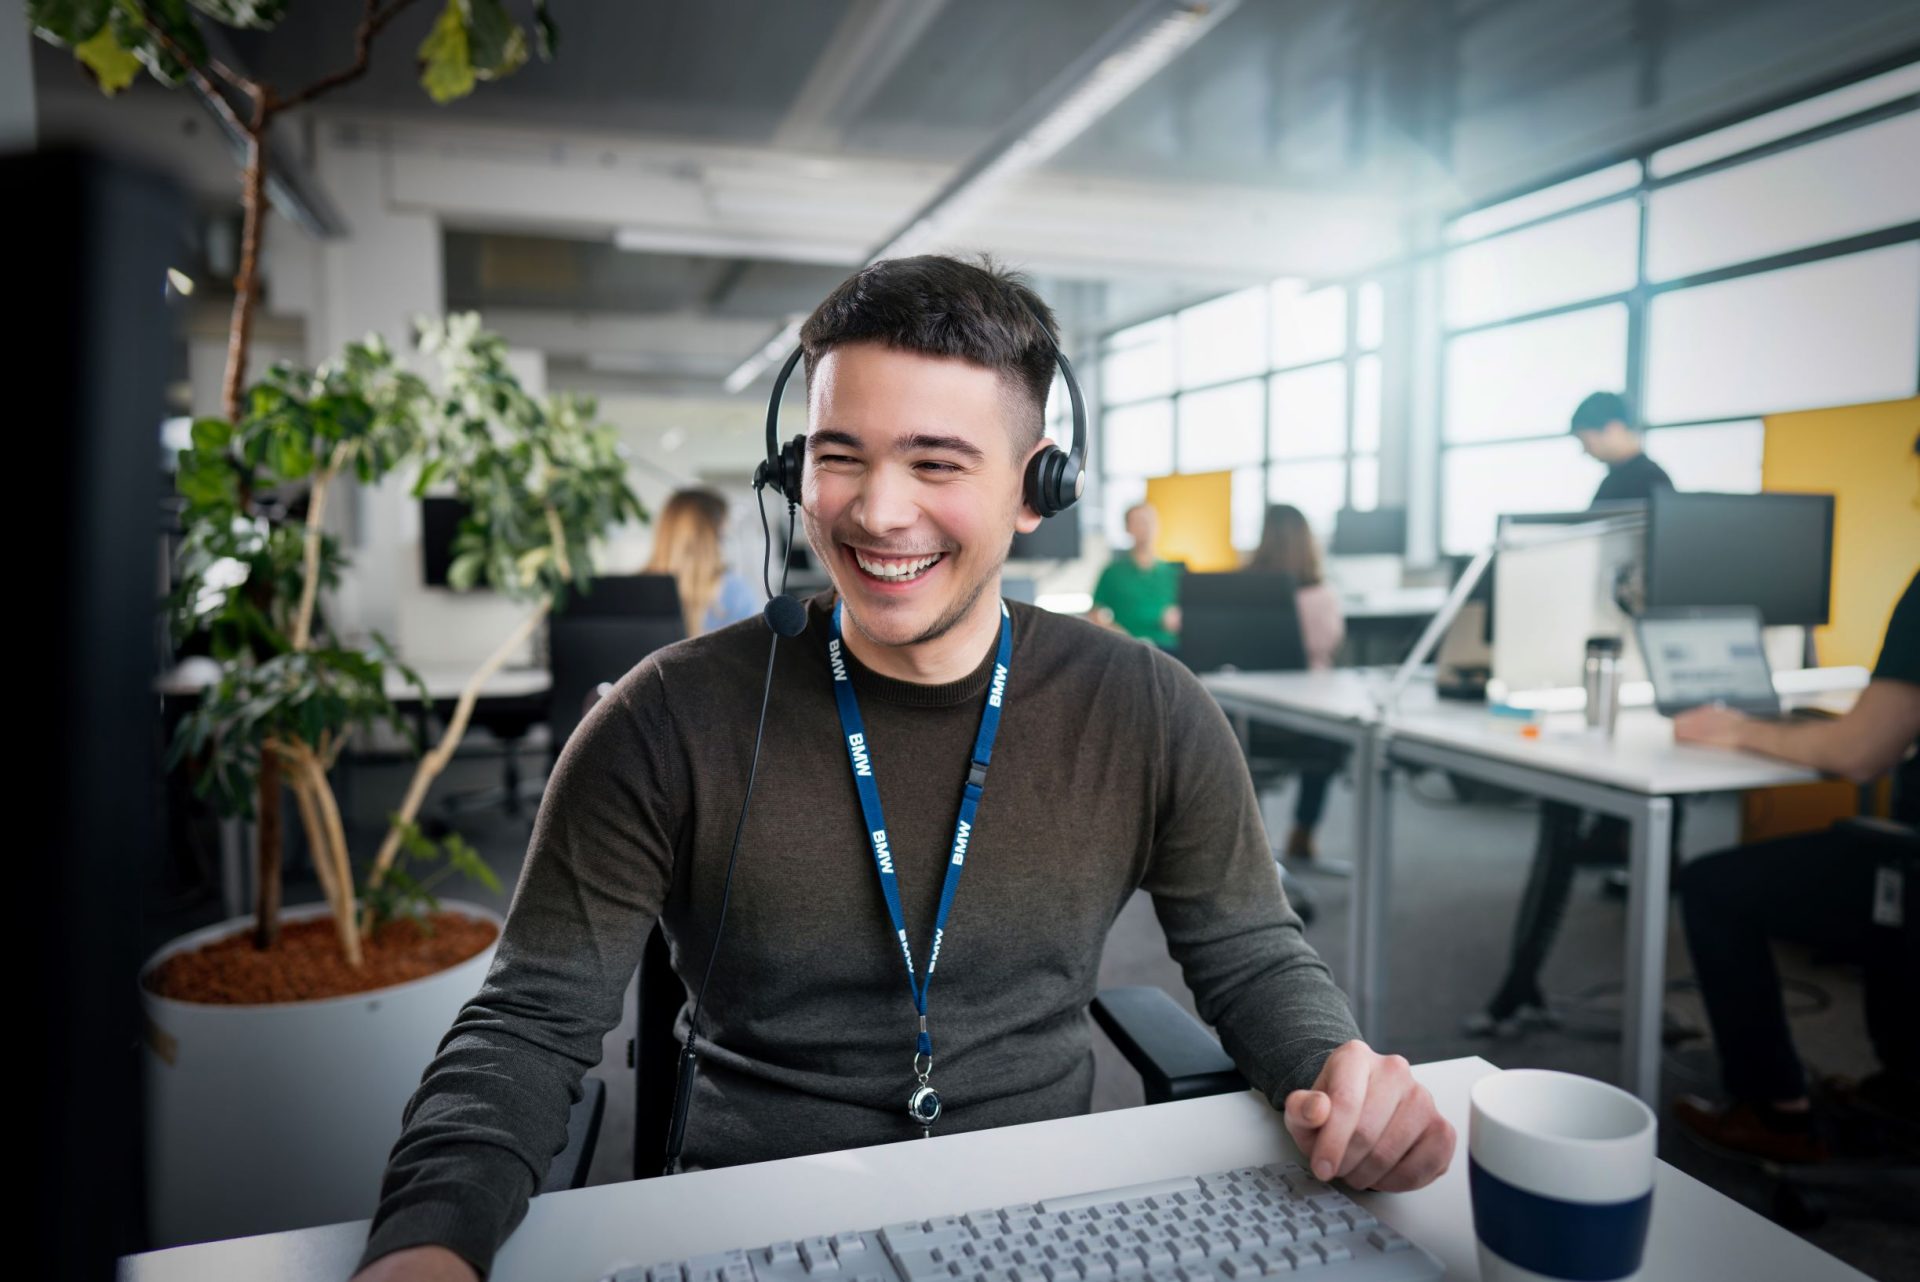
{"x": 1635, "y": 775}
{"x": 444, "y": 684}
{"x": 580, "y": 1235}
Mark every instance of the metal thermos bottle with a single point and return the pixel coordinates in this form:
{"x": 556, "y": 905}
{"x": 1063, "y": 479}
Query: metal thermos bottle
{"x": 1602, "y": 673}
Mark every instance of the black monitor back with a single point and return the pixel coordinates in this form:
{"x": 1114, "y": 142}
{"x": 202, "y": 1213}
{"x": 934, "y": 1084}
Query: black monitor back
{"x": 440, "y": 519}
{"x": 1248, "y": 620}
{"x": 1381, "y": 532}
{"x": 601, "y": 635}
{"x": 1057, "y": 539}
{"x": 1770, "y": 551}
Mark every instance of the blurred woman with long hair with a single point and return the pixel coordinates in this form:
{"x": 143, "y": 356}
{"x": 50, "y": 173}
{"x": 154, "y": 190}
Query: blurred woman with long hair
{"x": 1287, "y": 546}
{"x": 687, "y": 545}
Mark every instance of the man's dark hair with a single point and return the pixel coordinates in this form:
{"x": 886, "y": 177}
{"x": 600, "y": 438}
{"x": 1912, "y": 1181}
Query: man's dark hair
{"x": 1601, "y": 409}
{"x": 940, "y": 306}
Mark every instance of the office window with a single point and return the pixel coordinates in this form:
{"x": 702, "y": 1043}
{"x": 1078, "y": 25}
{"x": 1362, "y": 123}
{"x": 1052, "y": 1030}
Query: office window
{"x": 1307, "y": 327}
{"x": 1525, "y": 379}
{"x": 1837, "y": 332}
{"x": 1480, "y": 483}
{"x": 1138, "y": 362}
{"x": 1366, "y": 404}
{"x": 1597, "y": 185}
{"x": 1369, "y": 315}
{"x": 1117, "y": 495}
{"x": 1720, "y": 457}
{"x": 1316, "y": 488}
{"x": 1366, "y": 483}
{"x": 1138, "y": 439}
{"x": 1307, "y": 413}
{"x": 1854, "y": 182}
{"x": 1810, "y": 113}
{"x": 1223, "y": 339}
{"x": 1581, "y": 256}
{"x": 1220, "y": 428}
{"x": 1249, "y": 507}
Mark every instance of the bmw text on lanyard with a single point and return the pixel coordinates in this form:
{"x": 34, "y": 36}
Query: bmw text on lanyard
{"x": 924, "y": 1105}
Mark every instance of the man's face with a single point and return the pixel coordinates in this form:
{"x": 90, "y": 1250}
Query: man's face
{"x": 1613, "y": 443}
{"x": 1143, "y": 527}
{"x": 912, "y": 488}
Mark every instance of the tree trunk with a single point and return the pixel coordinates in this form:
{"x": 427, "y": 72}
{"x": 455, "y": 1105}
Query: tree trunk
{"x": 267, "y": 842}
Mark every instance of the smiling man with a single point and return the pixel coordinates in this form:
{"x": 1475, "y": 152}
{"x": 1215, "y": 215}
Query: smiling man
{"x": 1111, "y": 771}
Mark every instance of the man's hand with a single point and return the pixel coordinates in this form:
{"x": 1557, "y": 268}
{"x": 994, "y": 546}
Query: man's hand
{"x": 418, "y": 1264}
{"x": 1368, "y": 1122}
{"x": 1714, "y": 726}
{"x": 1170, "y": 620}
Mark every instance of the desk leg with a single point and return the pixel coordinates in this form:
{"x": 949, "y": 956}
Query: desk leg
{"x": 1367, "y": 910}
{"x": 1646, "y": 951}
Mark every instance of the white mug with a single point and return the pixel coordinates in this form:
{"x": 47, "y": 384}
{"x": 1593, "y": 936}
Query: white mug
{"x": 1561, "y": 1169}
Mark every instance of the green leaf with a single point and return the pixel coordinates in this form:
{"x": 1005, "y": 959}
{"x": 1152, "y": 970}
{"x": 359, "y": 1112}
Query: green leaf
{"x": 446, "y": 67}
{"x": 546, "y": 36}
{"x": 113, "y": 67}
{"x": 260, "y": 15}
{"x": 496, "y": 45}
{"x": 212, "y": 434}
{"x": 67, "y": 22}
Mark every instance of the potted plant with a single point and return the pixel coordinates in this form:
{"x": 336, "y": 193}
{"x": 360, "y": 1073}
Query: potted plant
{"x": 280, "y": 1061}
{"x": 277, "y": 1075}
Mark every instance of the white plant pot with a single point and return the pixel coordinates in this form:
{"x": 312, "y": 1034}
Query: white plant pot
{"x": 280, "y": 1116}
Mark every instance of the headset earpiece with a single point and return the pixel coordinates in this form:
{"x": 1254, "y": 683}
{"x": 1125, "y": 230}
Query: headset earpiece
{"x": 1053, "y": 481}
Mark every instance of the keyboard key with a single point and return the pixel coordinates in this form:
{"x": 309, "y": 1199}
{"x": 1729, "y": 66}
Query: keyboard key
{"x": 1358, "y": 1219}
{"x": 846, "y": 1242}
{"x": 1387, "y": 1241}
{"x": 1333, "y": 1252}
{"x": 1240, "y": 1267}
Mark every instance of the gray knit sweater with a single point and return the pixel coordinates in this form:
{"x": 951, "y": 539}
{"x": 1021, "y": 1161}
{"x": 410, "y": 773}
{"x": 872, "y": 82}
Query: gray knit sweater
{"x": 1113, "y": 772}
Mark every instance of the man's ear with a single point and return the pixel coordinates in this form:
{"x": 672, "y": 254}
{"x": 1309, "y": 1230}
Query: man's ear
{"x": 1026, "y": 521}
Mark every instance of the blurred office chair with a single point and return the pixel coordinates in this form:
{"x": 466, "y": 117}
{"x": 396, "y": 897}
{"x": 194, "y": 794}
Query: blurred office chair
{"x": 1249, "y": 621}
{"x": 598, "y": 638}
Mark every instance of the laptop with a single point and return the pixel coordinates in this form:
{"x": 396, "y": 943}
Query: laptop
{"x": 1699, "y": 655}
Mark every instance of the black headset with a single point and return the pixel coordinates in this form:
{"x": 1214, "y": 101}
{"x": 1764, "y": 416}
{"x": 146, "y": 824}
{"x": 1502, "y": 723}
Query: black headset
{"x": 1054, "y": 478}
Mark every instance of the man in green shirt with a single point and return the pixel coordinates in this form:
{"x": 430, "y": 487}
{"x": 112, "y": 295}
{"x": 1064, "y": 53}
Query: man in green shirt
{"x": 1139, "y": 593}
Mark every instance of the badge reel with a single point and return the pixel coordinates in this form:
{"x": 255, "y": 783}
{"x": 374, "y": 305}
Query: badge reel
{"x": 923, "y": 1106}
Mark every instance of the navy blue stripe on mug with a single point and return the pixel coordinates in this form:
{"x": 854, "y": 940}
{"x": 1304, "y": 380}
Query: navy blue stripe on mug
{"x": 1577, "y": 1241}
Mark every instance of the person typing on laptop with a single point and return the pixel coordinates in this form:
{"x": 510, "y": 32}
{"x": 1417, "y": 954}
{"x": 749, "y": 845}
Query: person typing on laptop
{"x": 1819, "y": 889}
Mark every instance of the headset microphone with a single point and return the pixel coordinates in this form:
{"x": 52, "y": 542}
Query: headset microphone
{"x": 786, "y": 616}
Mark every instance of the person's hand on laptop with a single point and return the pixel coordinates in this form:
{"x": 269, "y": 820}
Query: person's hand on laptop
{"x": 1368, "y": 1122}
{"x": 1712, "y": 725}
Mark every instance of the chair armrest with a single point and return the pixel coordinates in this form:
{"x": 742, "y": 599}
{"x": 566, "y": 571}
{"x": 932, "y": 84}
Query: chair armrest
{"x": 570, "y": 1164}
{"x": 1174, "y": 1053}
{"x": 1888, "y": 835}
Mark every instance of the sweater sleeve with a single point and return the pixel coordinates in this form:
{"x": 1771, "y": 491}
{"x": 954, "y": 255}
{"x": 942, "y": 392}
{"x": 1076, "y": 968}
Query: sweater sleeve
{"x": 491, "y": 1110}
{"x": 1216, "y": 891}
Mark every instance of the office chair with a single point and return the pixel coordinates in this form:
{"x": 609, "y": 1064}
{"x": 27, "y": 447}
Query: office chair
{"x": 599, "y": 636}
{"x": 1886, "y": 1155}
{"x": 1249, "y": 622}
{"x": 1175, "y": 1055}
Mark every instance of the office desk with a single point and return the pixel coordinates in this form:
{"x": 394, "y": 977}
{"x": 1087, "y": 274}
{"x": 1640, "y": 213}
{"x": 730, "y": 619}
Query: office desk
{"x": 580, "y": 1235}
{"x": 1635, "y": 775}
{"x": 444, "y": 684}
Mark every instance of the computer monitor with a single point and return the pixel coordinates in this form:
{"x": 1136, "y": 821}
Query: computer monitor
{"x": 1381, "y": 532}
{"x": 1770, "y": 551}
{"x": 1707, "y": 654}
{"x": 1246, "y": 620}
{"x": 1057, "y": 539}
{"x": 600, "y": 634}
{"x": 439, "y": 523}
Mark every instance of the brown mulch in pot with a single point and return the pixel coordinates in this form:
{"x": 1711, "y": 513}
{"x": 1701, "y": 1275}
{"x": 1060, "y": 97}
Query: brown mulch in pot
{"x": 306, "y": 963}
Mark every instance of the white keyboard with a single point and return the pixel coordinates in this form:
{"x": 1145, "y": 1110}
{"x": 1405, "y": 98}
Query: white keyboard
{"x": 1260, "y": 1221}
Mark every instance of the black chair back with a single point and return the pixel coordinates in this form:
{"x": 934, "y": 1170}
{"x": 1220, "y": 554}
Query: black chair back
{"x": 601, "y": 634}
{"x": 1246, "y": 620}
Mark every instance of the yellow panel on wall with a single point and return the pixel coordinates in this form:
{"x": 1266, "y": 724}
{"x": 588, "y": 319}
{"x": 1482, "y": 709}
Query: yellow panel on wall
{"x": 1863, "y": 456}
{"x": 1196, "y": 523}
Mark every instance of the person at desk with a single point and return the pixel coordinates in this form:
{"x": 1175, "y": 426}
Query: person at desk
{"x": 1112, "y": 770}
{"x": 1602, "y": 424}
{"x": 1817, "y": 889}
{"x": 1568, "y": 837}
{"x": 1138, "y": 593}
{"x": 1287, "y": 547}
{"x": 687, "y": 543}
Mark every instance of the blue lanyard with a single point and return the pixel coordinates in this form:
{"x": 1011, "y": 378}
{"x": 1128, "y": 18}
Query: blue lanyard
{"x": 860, "y": 754}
